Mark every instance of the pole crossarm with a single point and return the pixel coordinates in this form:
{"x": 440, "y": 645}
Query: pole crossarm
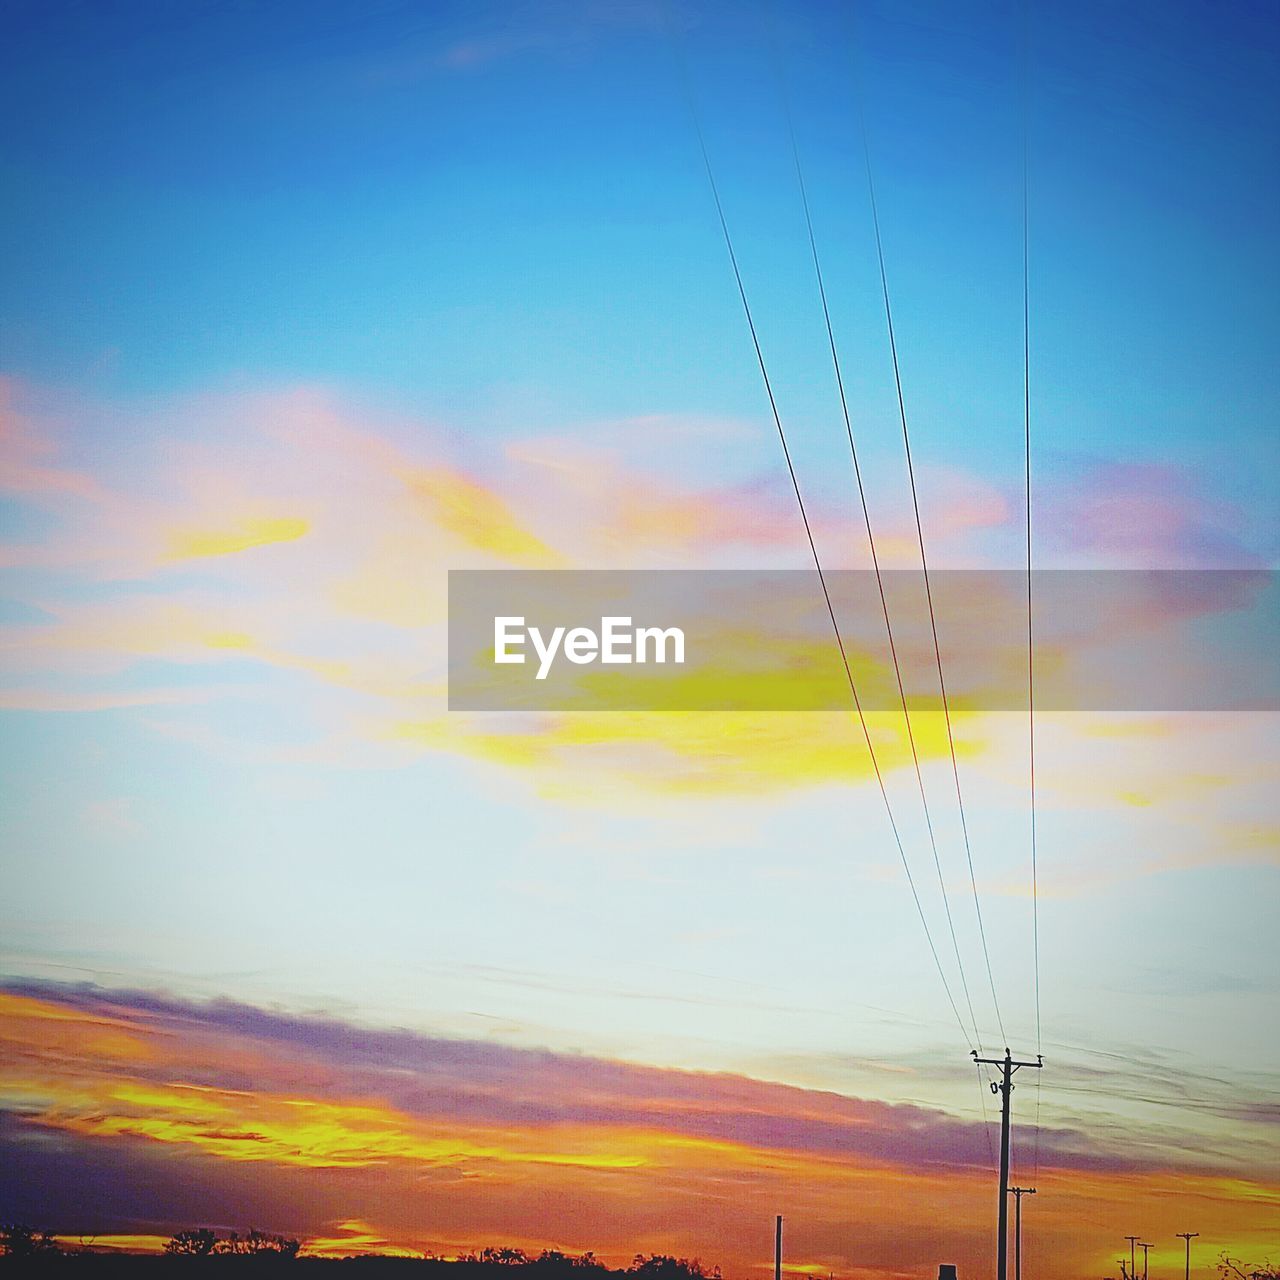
{"x": 1188, "y": 1236}
{"x": 1013, "y": 1063}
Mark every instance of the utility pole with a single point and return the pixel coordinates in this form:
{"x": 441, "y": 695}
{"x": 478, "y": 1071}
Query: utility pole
{"x": 777, "y": 1249}
{"x": 1004, "y": 1087}
{"x": 1133, "y": 1268}
{"x": 1144, "y": 1247}
{"x": 1017, "y": 1193}
{"x": 1188, "y": 1236}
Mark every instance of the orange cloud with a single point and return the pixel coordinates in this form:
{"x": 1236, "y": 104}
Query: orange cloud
{"x": 445, "y": 1144}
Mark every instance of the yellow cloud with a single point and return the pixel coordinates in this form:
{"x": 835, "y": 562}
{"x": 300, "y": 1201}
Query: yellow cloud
{"x": 312, "y": 1133}
{"x": 694, "y": 752}
{"x": 116, "y": 1242}
{"x": 685, "y": 742}
{"x": 195, "y": 544}
{"x": 357, "y": 1237}
{"x": 478, "y": 516}
{"x": 229, "y": 640}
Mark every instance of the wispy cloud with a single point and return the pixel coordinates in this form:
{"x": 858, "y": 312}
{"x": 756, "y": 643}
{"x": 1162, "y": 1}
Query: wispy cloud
{"x": 302, "y": 538}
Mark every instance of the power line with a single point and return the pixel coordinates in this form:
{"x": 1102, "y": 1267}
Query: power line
{"x": 875, "y": 562}
{"x": 1026, "y": 421}
{"x": 983, "y": 1085}
{"x": 924, "y": 562}
{"x": 804, "y": 516}
{"x": 1026, "y": 412}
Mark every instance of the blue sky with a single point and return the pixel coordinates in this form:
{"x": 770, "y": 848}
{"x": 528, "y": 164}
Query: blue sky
{"x": 413, "y": 203}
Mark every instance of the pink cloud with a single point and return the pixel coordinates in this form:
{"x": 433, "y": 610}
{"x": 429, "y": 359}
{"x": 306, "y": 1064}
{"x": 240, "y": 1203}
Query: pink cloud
{"x": 29, "y": 452}
{"x": 1141, "y": 516}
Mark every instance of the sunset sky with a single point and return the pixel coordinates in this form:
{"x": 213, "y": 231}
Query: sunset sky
{"x": 303, "y": 306}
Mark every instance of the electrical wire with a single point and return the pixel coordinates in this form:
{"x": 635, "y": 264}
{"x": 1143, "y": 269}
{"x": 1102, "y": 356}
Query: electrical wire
{"x": 875, "y": 562}
{"x": 795, "y": 484}
{"x": 1026, "y": 420}
{"x": 924, "y": 562}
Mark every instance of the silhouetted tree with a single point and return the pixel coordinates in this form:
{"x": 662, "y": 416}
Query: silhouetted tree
{"x": 504, "y": 1256}
{"x": 198, "y": 1243}
{"x": 258, "y": 1243}
{"x": 17, "y": 1240}
{"x": 555, "y": 1259}
{"x": 661, "y": 1266}
{"x": 1234, "y": 1269}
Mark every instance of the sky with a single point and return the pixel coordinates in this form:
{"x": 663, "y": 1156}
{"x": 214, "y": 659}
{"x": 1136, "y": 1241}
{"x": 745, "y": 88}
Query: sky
{"x": 304, "y": 306}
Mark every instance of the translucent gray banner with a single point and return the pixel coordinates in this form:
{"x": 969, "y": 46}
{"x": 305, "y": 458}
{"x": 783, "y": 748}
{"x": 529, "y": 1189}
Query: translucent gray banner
{"x": 741, "y": 640}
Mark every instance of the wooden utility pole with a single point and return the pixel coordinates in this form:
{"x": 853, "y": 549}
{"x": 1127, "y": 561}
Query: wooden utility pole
{"x": 1004, "y": 1087}
{"x": 777, "y": 1249}
{"x": 1017, "y": 1193}
{"x": 1188, "y": 1236}
{"x": 1145, "y": 1247}
{"x": 1133, "y": 1265}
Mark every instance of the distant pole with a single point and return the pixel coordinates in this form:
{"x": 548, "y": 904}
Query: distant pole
{"x": 1188, "y": 1236}
{"x": 1144, "y": 1246}
{"x": 1133, "y": 1265}
{"x": 1017, "y": 1193}
{"x": 1004, "y": 1087}
{"x": 777, "y": 1249}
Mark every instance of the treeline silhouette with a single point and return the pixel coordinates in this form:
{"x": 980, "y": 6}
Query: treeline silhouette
{"x": 25, "y": 1250}
{"x": 203, "y": 1248}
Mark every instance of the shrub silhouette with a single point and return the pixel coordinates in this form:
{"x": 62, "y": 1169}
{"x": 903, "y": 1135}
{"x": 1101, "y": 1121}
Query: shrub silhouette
{"x": 661, "y": 1266}
{"x": 555, "y": 1260}
{"x": 1234, "y": 1269}
{"x": 198, "y": 1243}
{"x": 549, "y": 1264}
{"x": 259, "y": 1242}
{"x": 201, "y": 1242}
{"x": 17, "y": 1240}
{"x": 504, "y": 1257}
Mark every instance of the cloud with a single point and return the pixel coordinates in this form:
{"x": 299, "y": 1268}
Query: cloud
{"x": 291, "y": 532}
{"x": 290, "y": 547}
{"x": 478, "y": 517}
{"x": 69, "y": 700}
{"x": 179, "y": 1070}
{"x": 404, "y": 1140}
{"x": 29, "y": 453}
{"x": 1141, "y": 515}
{"x": 245, "y": 534}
